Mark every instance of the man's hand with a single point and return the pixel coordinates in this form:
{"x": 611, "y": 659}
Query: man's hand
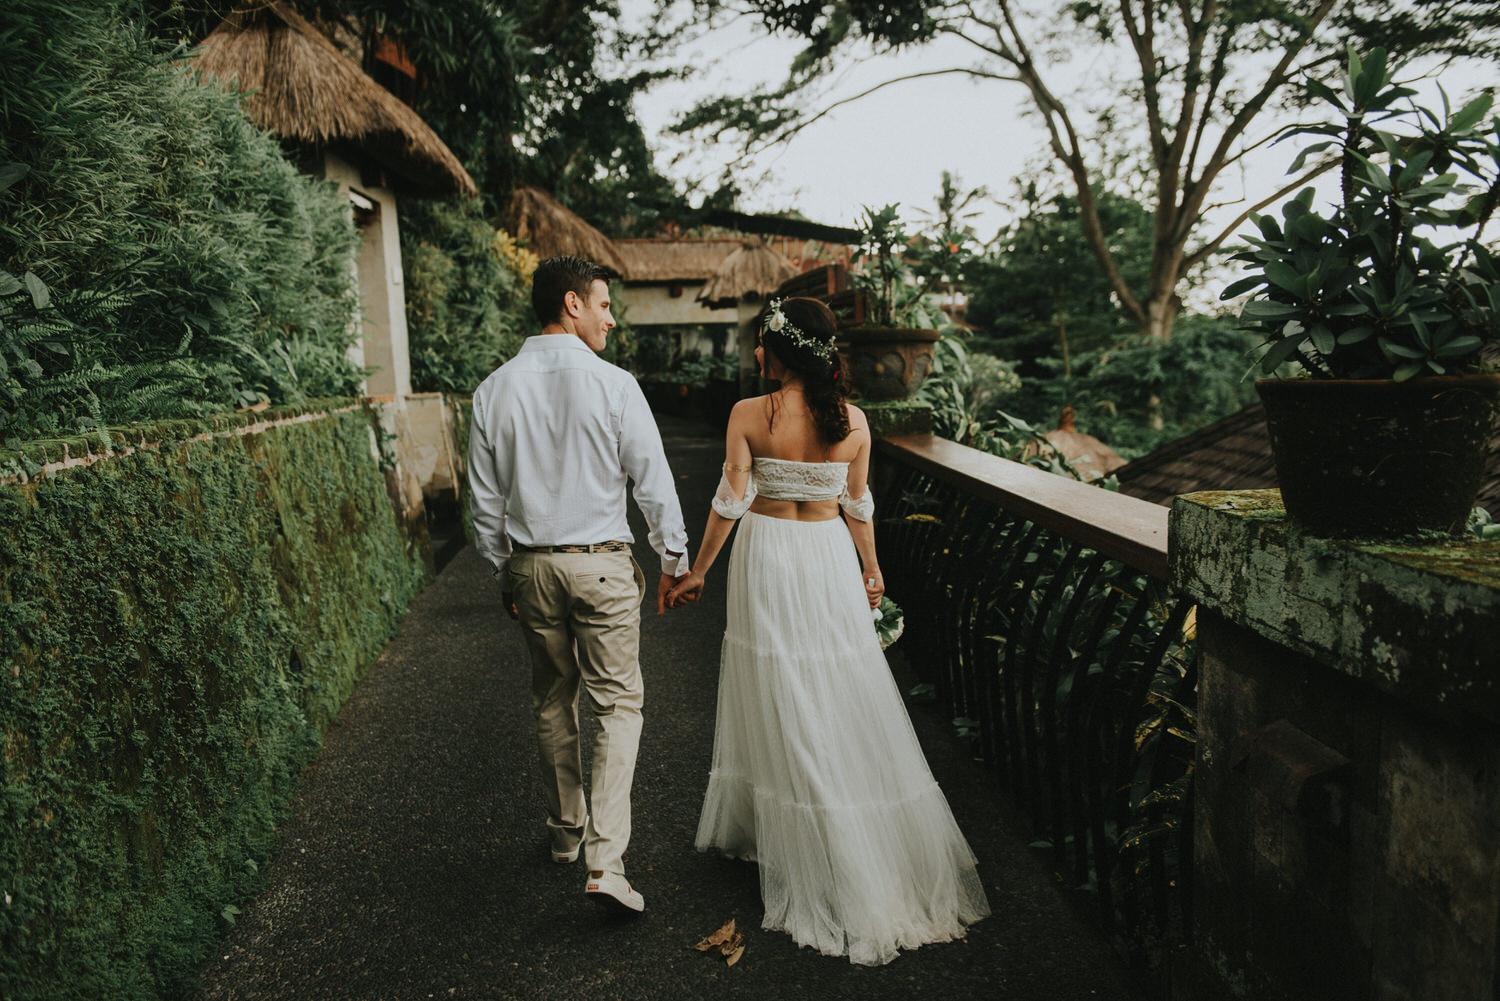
{"x": 687, "y": 588}
{"x": 508, "y": 599}
{"x": 662, "y": 587}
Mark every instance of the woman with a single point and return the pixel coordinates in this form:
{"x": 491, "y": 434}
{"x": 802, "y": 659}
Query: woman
{"x": 817, "y": 775}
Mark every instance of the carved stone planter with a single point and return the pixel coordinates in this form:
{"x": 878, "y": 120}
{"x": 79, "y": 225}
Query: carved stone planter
{"x": 886, "y": 363}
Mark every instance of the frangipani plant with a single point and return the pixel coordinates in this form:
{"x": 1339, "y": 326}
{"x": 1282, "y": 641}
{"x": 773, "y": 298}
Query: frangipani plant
{"x": 885, "y": 277}
{"x": 1370, "y": 290}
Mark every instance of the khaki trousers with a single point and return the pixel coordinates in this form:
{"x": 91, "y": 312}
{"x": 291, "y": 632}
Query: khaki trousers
{"x": 582, "y": 616}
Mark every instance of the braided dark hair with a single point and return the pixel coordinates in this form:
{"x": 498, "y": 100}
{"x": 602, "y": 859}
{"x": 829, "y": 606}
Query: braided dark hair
{"x": 817, "y": 364}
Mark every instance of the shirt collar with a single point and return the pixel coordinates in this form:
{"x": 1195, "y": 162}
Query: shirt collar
{"x": 555, "y": 342}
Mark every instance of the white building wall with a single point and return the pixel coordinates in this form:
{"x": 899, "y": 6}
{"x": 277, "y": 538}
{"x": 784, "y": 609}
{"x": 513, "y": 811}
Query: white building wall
{"x": 383, "y": 341}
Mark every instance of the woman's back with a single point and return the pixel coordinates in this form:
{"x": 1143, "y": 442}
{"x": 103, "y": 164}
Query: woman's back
{"x": 780, "y": 427}
{"x": 784, "y": 428}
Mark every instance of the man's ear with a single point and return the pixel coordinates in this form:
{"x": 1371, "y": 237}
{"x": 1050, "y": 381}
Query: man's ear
{"x": 572, "y": 304}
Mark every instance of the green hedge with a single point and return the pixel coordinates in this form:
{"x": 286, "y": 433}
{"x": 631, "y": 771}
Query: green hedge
{"x": 191, "y": 267}
{"x": 177, "y": 627}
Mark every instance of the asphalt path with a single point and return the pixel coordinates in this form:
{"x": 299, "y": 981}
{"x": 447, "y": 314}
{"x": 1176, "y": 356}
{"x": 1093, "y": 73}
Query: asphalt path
{"x": 414, "y": 864}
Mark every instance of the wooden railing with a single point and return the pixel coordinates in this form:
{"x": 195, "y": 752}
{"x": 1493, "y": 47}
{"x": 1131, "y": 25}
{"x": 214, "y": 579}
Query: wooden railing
{"x": 1038, "y": 612}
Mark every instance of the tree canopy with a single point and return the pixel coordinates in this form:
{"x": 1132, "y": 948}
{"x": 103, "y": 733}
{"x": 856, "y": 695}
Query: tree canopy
{"x": 1037, "y": 294}
{"x": 1200, "y": 85}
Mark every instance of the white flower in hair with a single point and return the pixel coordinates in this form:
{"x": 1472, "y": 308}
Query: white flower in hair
{"x": 777, "y": 322}
{"x": 778, "y": 318}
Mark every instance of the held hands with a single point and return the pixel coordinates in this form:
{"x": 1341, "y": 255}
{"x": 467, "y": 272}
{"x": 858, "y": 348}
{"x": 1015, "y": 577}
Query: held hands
{"x": 669, "y": 591}
{"x": 874, "y": 586}
{"x": 508, "y": 599}
{"x": 687, "y": 588}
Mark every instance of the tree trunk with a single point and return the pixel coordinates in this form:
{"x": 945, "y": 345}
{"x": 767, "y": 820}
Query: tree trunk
{"x": 1161, "y": 314}
{"x": 1062, "y": 340}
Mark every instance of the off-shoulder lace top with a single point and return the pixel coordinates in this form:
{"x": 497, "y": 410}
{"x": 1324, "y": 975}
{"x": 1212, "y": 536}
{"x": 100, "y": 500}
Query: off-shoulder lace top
{"x": 789, "y": 479}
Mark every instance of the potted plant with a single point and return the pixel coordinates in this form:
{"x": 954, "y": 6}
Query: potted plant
{"x": 889, "y": 354}
{"x": 1385, "y": 303}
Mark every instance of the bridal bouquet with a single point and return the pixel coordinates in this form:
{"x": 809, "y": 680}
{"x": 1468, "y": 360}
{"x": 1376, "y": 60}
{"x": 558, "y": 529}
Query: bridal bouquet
{"x": 889, "y": 622}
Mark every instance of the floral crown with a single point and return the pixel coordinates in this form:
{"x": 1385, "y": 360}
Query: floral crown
{"x": 776, "y": 321}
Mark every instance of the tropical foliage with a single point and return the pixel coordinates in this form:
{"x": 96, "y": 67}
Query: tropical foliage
{"x": 1038, "y": 294}
{"x": 1366, "y": 290}
{"x": 160, "y": 255}
{"x": 1133, "y": 395}
{"x": 468, "y": 294}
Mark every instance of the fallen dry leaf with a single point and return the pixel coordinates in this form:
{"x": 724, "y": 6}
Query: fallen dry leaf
{"x": 734, "y": 957}
{"x": 718, "y": 938}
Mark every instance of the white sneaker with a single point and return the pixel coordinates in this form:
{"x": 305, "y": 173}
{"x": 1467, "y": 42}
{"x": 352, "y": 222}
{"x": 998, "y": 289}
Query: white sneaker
{"x": 563, "y": 858}
{"x": 614, "y": 891}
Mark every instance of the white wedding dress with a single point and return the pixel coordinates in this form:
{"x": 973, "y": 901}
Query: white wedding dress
{"x": 817, "y": 775}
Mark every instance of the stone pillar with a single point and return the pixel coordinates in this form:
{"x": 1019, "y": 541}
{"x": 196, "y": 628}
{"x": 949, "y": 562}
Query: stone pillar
{"x": 1347, "y": 788}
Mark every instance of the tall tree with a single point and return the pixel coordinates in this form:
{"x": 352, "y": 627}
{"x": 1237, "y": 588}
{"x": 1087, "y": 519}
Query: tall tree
{"x": 1038, "y": 296}
{"x": 1205, "y": 79}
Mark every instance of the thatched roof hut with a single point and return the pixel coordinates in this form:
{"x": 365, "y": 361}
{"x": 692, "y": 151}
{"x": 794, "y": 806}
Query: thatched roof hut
{"x": 550, "y": 229}
{"x": 751, "y": 271}
{"x": 301, "y": 87}
{"x": 675, "y": 262}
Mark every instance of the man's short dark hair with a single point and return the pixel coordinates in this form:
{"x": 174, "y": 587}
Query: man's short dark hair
{"x": 556, "y": 277}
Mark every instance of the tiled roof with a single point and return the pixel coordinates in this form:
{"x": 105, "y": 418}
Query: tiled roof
{"x": 1233, "y": 453}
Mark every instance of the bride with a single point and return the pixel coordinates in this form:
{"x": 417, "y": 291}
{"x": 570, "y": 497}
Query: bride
{"x": 817, "y": 775}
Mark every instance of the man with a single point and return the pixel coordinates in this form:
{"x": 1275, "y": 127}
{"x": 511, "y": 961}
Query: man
{"x": 556, "y": 433}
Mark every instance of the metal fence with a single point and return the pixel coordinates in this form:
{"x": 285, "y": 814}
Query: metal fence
{"x": 1037, "y": 611}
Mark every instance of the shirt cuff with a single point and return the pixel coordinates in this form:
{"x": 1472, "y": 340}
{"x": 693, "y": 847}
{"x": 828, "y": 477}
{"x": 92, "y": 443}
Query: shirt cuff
{"x": 676, "y": 564}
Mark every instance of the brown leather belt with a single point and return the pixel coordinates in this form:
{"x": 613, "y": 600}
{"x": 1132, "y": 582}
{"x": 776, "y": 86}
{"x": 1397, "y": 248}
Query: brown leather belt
{"x": 593, "y": 547}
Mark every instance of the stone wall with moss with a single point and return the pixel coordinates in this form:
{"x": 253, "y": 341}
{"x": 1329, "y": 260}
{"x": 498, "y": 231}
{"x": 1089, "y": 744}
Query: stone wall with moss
{"x": 181, "y": 615}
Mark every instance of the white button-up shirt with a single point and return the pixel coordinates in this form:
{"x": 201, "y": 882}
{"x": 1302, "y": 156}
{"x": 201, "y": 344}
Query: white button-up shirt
{"x": 556, "y": 433}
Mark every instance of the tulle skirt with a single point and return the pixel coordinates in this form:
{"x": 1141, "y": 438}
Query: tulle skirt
{"x": 817, "y": 774}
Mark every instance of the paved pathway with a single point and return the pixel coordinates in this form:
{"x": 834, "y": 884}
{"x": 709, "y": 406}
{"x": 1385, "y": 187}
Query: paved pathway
{"x": 414, "y": 864}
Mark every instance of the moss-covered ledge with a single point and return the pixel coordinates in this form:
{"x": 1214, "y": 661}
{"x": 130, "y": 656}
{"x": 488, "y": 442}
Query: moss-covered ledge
{"x": 891, "y": 418}
{"x": 1417, "y": 619}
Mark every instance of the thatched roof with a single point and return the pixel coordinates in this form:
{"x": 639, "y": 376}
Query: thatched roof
{"x": 551, "y": 230}
{"x": 301, "y": 87}
{"x": 675, "y": 261}
{"x": 753, "y": 270}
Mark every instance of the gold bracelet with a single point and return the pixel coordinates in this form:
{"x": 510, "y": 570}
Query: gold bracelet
{"x": 730, "y": 467}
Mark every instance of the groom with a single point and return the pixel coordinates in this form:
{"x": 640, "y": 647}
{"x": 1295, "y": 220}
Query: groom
{"x": 556, "y": 434}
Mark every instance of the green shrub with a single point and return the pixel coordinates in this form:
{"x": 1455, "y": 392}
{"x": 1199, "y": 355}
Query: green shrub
{"x": 190, "y": 267}
{"x": 1143, "y": 392}
{"x": 468, "y": 294}
{"x": 177, "y": 627}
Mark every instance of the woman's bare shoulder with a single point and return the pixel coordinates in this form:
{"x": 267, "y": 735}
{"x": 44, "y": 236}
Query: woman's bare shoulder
{"x": 748, "y": 408}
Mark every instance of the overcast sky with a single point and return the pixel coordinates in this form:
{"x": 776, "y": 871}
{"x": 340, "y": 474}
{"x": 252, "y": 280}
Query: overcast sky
{"x": 894, "y": 145}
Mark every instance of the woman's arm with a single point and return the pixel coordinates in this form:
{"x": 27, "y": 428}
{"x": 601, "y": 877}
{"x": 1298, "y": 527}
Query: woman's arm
{"x": 863, "y": 532}
{"x": 737, "y": 476}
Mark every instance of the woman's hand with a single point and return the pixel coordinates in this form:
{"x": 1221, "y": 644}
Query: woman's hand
{"x": 874, "y": 586}
{"x": 688, "y": 588}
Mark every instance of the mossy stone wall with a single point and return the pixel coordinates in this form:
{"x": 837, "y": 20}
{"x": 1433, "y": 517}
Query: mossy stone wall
{"x": 1346, "y": 839}
{"x": 177, "y": 627}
